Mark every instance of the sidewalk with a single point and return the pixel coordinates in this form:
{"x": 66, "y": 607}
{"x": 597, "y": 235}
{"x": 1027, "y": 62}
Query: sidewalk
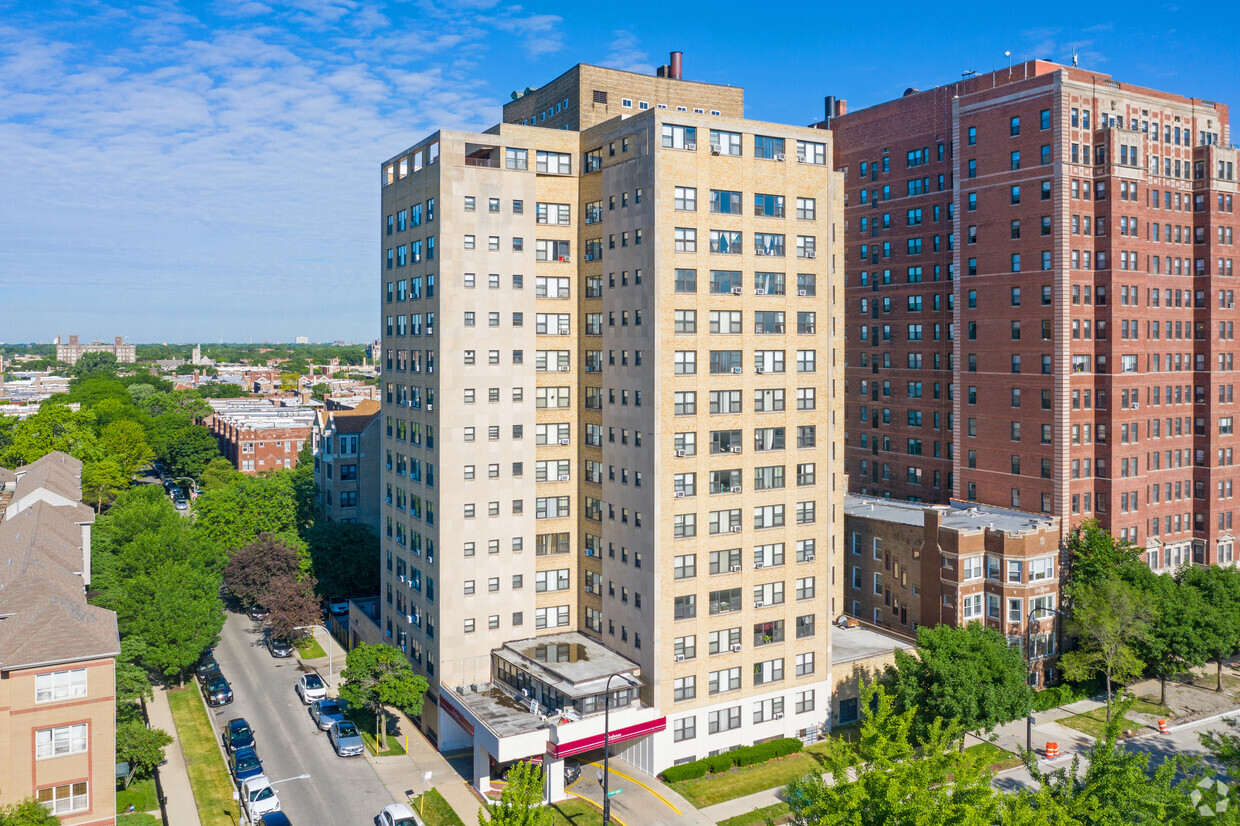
{"x": 173, "y": 776}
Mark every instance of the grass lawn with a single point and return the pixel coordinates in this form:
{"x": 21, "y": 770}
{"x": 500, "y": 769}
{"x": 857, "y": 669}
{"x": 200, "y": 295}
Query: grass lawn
{"x": 1093, "y": 722}
{"x": 738, "y": 782}
{"x": 310, "y": 649}
{"x": 208, "y": 776}
{"x": 758, "y": 817}
{"x": 575, "y": 812}
{"x": 140, "y": 794}
{"x": 437, "y": 812}
{"x": 997, "y": 758}
{"x": 138, "y": 819}
{"x": 365, "y": 722}
{"x": 1149, "y": 705}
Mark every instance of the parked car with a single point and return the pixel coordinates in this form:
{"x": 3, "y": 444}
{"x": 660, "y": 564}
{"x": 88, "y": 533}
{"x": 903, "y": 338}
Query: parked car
{"x": 274, "y": 819}
{"x": 310, "y": 687}
{"x": 237, "y": 734}
{"x": 345, "y": 739}
{"x": 572, "y": 771}
{"x": 206, "y": 665}
{"x": 257, "y": 613}
{"x": 279, "y": 648}
{"x": 338, "y": 605}
{"x": 244, "y": 764}
{"x": 326, "y": 711}
{"x": 398, "y": 814}
{"x": 181, "y": 504}
{"x": 217, "y": 690}
{"x": 258, "y": 798}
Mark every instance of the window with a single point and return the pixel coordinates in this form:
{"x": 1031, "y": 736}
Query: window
{"x": 56, "y": 742}
{"x": 685, "y": 198}
{"x": 679, "y": 137}
{"x": 725, "y": 143}
{"x": 684, "y": 729}
{"x": 63, "y": 800}
{"x": 60, "y": 685}
{"x": 554, "y": 163}
{"x": 767, "y": 147}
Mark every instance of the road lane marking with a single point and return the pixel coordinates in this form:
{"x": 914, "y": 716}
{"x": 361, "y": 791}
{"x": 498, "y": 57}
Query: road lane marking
{"x": 643, "y": 785}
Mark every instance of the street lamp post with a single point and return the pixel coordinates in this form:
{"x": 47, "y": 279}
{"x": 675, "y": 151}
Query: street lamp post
{"x": 311, "y": 629}
{"x": 1029, "y": 664}
{"x": 607, "y": 747}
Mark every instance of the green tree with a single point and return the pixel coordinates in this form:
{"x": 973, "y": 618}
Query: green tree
{"x": 521, "y": 801}
{"x": 187, "y": 451}
{"x": 1220, "y": 589}
{"x": 175, "y": 610}
{"x": 102, "y": 482}
{"x": 54, "y": 427}
{"x": 305, "y": 491}
{"x": 1224, "y": 745}
{"x": 1109, "y": 618}
{"x": 125, "y": 441}
{"x": 1096, "y": 555}
{"x": 320, "y": 390}
{"x": 132, "y": 682}
{"x": 27, "y": 813}
{"x": 289, "y": 380}
{"x": 141, "y": 747}
{"x": 344, "y": 558}
{"x": 140, "y": 393}
{"x": 1182, "y": 633}
{"x": 235, "y": 515}
{"x": 881, "y": 780}
{"x": 92, "y": 365}
{"x": 376, "y": 677}
{"x": 219, "y": 473}
{"x": 969, "y": 675}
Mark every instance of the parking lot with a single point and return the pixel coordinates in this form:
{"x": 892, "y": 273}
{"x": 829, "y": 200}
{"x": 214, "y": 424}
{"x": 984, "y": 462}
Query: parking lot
{"x": 344, "y": 791}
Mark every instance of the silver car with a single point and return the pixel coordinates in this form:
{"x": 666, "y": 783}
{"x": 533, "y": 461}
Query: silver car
{"x": 345, "y": 739}
{"x": 325, "y": 712}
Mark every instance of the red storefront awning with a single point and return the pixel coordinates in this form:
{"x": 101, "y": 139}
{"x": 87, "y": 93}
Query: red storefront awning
{"x": 632, "y": 732}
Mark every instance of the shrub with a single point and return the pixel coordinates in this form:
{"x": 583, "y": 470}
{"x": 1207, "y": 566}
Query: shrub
{"x": 720, "y": 763}
{"x": 744, "y": 756}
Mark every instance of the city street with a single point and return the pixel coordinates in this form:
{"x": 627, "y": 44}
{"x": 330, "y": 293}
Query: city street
{"x": 339, "y": 790}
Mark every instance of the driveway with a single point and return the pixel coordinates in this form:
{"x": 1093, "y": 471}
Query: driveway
{"x": 339, "y": 790}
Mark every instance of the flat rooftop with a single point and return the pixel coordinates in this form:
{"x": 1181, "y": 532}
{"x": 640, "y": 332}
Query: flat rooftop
{"x": 958, "y": 516}
{"x": 571, "y": 663}
{"x": 853, "y": 644}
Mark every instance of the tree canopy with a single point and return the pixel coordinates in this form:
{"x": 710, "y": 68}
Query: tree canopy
{"x": 1110, "y": 618}
{"x": 376, "y": 677}
{"x": 520, "y": 803}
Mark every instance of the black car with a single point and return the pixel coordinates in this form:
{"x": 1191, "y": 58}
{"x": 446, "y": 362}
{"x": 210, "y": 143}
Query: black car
{"x": 279, "y": 648}
{"x": 217, "y": 690}
{"x": 208, "y": 675}
{"x": 205, "y": 666}
{"x": 257, "y": 613}
{"x": 237, "y": 735}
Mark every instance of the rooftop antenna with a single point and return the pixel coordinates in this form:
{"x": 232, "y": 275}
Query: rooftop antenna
{"x": 1074, "y": 57}
{"x": 1008, "y": 54}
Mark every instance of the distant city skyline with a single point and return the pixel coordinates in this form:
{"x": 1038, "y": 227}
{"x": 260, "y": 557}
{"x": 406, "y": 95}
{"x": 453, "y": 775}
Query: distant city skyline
{"x": 178, "y": 171}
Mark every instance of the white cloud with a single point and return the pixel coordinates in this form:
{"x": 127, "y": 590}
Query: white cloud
{"x": 164, "y": 169}
{"x": 626, "y": 54}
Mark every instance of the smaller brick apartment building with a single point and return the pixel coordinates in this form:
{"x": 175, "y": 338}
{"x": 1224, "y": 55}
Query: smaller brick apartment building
{"x": 346, "y": 443}
{"x": 908, "y": 564}
{"x": 260, "y": 436}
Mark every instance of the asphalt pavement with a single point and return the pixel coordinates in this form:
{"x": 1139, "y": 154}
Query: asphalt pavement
{"x": 340, "y": 791}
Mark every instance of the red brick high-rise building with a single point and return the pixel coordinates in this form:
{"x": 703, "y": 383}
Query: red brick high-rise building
{"x": 1040, "y": 303}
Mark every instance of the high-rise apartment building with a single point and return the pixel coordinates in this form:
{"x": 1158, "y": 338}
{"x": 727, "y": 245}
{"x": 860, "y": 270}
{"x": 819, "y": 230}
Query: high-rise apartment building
{"x": 1040, "y": 298}
{"x": 612, "y": 440}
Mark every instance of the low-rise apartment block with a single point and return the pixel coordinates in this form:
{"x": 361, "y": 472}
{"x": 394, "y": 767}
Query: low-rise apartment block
{"x": 257, "y": 436}
{"x": 908, "y": 564}
{"x": 74, "y": 350}
{"x": 346, "y": 443}
{"x": 57, "y": 653}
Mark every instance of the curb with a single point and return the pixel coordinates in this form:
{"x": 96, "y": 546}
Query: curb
{"x": 1212, "y": 719}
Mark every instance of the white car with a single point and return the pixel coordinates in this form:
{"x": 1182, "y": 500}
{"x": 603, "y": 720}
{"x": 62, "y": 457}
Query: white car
{"x": 310, "y": 687}
{"x": 258, "y": 797}
{"x": 398, "y": 814}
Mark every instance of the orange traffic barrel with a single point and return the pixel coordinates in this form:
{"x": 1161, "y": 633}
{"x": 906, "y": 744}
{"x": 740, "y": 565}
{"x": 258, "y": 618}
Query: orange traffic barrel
{"x": 1052, "y": 751}
{"x": 1162, "y": 726}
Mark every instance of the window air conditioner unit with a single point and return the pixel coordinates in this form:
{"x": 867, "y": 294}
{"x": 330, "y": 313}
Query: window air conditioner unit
{"x": 735, "y": 569}
{"x": 800, "y": 159}
{"x": 809, "y": 557}
{"x": 565, "y": 259}
{"x": 757, "y": 603}
{"x": 563, "y": 477}
{"x": 679, "y": 658}
{"x": 736, "y": 370}
{"x": 1136, "y": 405}
{"x": 564, "y": 441}
{"x": 736, "y": 448}
{"x": 402, "y": 577}
{"x": 565, "y": 369}
{"x": 736, "y": 529}
{"x": 429, "y": 408}
{"x": 737, "y": 291}
{"x": 680, "y": 494}
{"x": 679, "y": 454}
{"x": 692, "y": 147}
{"x": 759, "y": 291}
{"x": 736, "y": 647}
{"x": 810, "y": 254}
{"x": 759, "y": 251}
{"x": 778, "y": 716}
{"x": 563, "y": 331}
{"x": 779, "y": 156}
{"x": 736, "y": 489}
{"x": 759, "y": 370}
{"x": 802, "y": 293}
{"x": 714, "y": 150}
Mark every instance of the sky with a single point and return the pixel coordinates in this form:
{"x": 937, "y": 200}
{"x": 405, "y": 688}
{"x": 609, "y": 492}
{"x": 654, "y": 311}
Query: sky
{"x": 207, "y": 170}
